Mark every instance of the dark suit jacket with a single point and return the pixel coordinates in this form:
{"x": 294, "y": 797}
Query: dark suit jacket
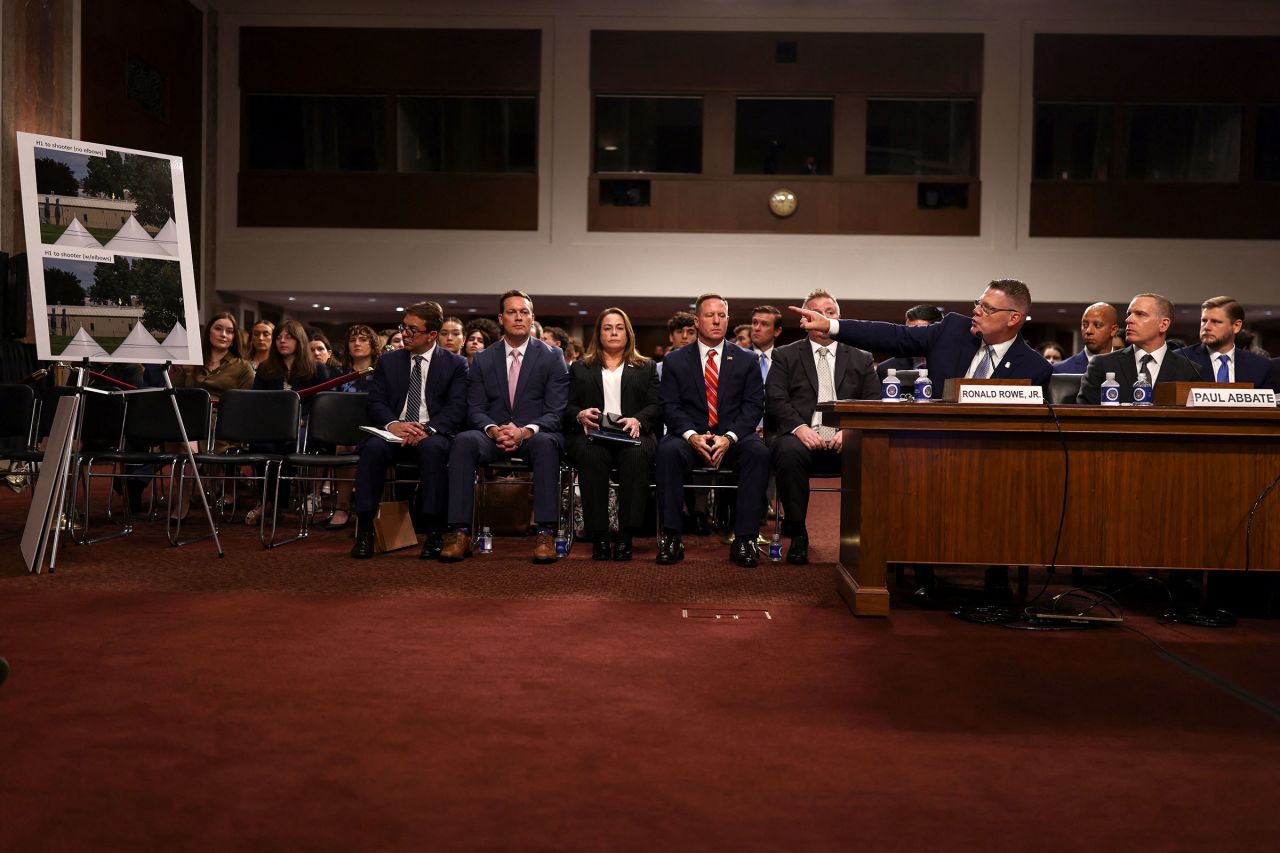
{"x": 446, "y": 389}
{"x": 740, "y": 394}
{"x": 1250, "y": 367}
{"x": 639, "y": 395}
{"x": 541, "y": 392}
{"x": 1176, "y": 368}
{"x": 1077, "y": 363}
{"x": 791, "y": 394}
{"x": 947, "y": 345}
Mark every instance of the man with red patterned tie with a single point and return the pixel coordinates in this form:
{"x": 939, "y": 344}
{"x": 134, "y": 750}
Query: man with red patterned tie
{"x": 712, "y": 399}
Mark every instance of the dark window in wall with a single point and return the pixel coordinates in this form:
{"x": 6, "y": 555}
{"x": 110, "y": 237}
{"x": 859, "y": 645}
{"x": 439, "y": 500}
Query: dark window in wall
{"x": 352, "y": 127}
{"x": 315, "y": 133}
{"x": 783, "y": 136}
{"x": 1267, "y": 151}
{"x": 467, "y": 134}
{"x": 1186, "y": 117}
{"x": 647, "y": 133}
{"x": 1072, "y": 141}
{"x": 910, "y": 136}
{"x": 1182, "y": 142}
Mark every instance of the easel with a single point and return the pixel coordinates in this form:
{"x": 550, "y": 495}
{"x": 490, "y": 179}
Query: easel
{"x": 51, "y": 500}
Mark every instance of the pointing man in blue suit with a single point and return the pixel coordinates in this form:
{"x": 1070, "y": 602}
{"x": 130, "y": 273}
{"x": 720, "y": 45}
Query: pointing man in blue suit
{"x": 1221, "y": 319}
{"x": 986, "y": 344}
{"x": 516, "y": 393}
{"x": 712, "y": 398}
{"x": 418, "y": 393}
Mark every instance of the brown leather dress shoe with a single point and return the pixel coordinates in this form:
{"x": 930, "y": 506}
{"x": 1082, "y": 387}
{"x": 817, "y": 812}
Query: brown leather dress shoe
{"x": 544, "y": 549}
{"x": 457, "y": 546}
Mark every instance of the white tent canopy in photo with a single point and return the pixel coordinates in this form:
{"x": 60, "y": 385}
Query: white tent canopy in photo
{"x": 142, "y": 346}
{"x": 131, "y": 239}
{"x": 166, "y": 239}
{"x": 83, "y": 346}
{"x": 175, "y": 343}
{"x": 78, "y": 237}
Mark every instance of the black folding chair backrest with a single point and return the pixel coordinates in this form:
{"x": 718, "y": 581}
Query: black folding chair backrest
{"x": 258, "y": 416}
{"x": 150, "y": 418}
{"x": 17, "y": 411}
{"x": 1063, "y": 387}
{"x": 103, "y": 419}
{"x": 336, "y": 418}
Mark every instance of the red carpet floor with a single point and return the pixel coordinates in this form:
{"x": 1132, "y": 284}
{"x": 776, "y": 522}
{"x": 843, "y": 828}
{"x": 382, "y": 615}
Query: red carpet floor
{"x": 295, "y": 700}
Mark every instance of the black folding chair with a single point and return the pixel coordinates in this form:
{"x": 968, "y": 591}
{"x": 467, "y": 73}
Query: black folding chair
{"x": 149, "y": 422}
{"x": 259, "y": 419}
{"x": 335, "y": 420}
{"x": 18, "y": 421}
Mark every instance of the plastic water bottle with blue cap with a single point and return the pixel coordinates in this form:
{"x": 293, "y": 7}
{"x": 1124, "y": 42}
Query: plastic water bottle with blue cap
{"x": 1141, "y": 391}
{"x": 1110, "y": 391}
{"x": 891, "y": 387}
{"x": 924, "y": 387}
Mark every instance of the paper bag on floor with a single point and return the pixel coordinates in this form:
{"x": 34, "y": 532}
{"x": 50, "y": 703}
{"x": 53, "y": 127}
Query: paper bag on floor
{"x": 393, "y": 526}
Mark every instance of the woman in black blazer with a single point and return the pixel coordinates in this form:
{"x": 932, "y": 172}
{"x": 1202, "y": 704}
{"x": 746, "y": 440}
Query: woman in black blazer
{"x": 612, "y": 378}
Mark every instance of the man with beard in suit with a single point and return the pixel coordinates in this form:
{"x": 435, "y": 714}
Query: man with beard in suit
{"x": 1218, "y": 357}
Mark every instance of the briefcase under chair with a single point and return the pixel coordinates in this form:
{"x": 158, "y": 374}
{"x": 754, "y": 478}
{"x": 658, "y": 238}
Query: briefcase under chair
{"x": 504, "y": 500}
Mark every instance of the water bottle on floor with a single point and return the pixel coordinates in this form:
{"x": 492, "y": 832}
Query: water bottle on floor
{"x": 562, "y": 543}
{"x": 775, "y": 549}
{"x": 485, "y": 542}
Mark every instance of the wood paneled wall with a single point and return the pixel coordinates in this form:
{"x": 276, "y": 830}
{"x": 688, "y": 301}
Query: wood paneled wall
{"x": 1125, "y": 70}
{"x": 849, "y": 67}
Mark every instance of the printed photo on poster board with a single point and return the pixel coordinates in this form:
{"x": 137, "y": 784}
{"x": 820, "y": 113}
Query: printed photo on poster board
{"x": 109, "y": 252}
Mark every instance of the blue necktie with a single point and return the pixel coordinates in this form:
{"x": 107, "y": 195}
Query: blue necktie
{"x": 764, "y": 367}
{"x": 986, "y": 364}
{"x": 1224, "y": 372}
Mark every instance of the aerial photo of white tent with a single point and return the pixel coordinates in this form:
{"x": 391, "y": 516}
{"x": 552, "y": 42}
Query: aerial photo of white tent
{"x": 166, "y": 239}
{"x": 83, "y": 346}
{"x": 77, "y": 237}
{"x": 176, "y": 341}
{"x": 142, "y": 346}
{"x": 132, "y": 239}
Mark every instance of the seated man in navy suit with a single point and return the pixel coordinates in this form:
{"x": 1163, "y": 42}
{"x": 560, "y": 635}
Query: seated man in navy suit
{"x": 917, "y": 315}
{"x": 712, "y": 398}
{"x": 419, "y": 393}
{"x": 986, "y": 344}
{"x": 1218, "y": 357}
{"x": 1146, "y": 326}
{"x": 1098, "y": 328}
{"x": 516, "y": 393}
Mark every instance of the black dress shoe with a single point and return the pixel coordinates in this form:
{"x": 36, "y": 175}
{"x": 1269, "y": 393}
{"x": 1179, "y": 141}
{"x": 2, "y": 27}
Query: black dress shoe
{"x": 363, "y": 549}
{"x": 798, "y": 553}
{"x": 600, "y": 548}
{"x": 622, "y": 549}
{"x": 432, "y": 545}
{"x": 670, "y": 551}
{"x": 743, "y": 552}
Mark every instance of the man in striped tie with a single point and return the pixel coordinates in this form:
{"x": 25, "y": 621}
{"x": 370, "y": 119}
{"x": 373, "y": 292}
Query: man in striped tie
{"x": 712, "y": 399}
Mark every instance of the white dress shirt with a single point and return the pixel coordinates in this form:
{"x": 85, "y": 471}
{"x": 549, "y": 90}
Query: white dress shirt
{"x": 1157, "y": 354}
{"x": 1215, "y": 361}
{"x": 612, "y": 380}
{"x": 703, "y": 349}
{"x": 422, "y": 402}
{"x": 814, "y": 346}
{"x": 1000, "y": 350}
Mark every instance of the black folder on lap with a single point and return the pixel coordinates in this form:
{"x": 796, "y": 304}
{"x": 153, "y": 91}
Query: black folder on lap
{"x": 615, "y": 437}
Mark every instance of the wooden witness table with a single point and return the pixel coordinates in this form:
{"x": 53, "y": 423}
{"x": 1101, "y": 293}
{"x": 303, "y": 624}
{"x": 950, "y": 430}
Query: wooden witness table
{"x": 1151, "y": 488}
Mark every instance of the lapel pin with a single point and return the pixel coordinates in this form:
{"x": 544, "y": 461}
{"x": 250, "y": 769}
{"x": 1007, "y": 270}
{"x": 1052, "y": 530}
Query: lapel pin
{"x": 1006, "y": 364}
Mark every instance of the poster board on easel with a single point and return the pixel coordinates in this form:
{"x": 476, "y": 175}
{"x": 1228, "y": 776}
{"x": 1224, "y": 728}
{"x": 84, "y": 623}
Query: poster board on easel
{"x": 112, "y": 280}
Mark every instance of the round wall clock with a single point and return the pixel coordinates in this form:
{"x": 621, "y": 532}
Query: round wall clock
{"x": 783, "y": 203}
